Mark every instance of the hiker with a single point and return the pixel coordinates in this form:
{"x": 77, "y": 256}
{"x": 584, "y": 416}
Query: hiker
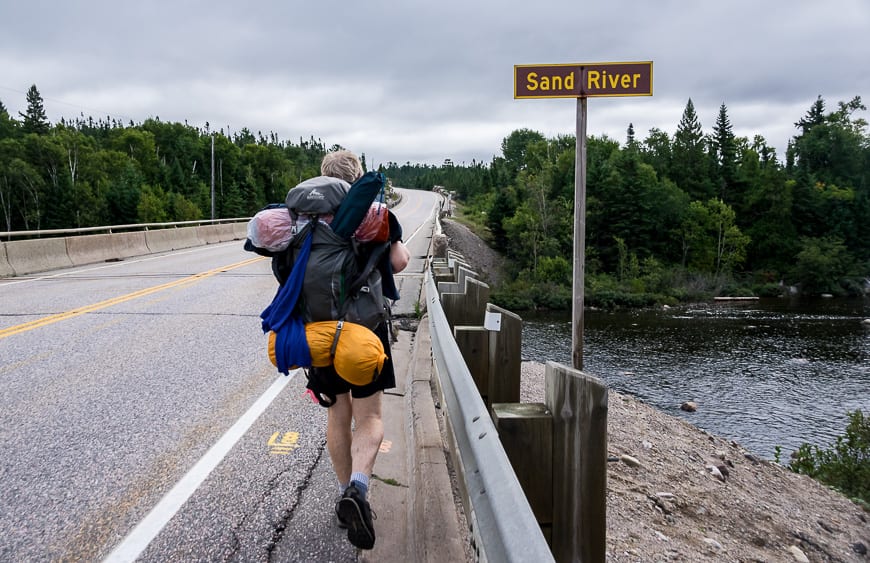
{"x": 353, "y": 452}
{"x": 335, "y": 246}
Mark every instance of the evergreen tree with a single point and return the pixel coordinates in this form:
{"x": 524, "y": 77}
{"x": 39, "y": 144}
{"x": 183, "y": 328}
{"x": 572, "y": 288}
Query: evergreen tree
{"x": 658, "y": 152}
{"x": 815, "y": 116}
{"x": 767, "y": 210}
{"x": 630, "y": 143}
{"x": 623, "y": 205}
{"x": 689, "y": 160}
{"x": 35, "y": 120}
{"x": 689, "y": 133}
{"x": 503, "y": 206}
{"x": 832, "y": 196}
{"x": 725, "y": 149}
{"x": 7, "y": 125}
{"x": 124, "y": 196}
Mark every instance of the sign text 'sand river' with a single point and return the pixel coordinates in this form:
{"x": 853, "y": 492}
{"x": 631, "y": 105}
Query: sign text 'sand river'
{"x": 583, "y": 80}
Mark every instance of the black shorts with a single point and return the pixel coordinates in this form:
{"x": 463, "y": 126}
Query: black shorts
{"x": 327, "y": 384}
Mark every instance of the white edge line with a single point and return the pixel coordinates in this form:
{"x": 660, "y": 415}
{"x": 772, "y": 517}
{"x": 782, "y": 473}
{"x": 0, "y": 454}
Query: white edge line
{"x": 423, "y": 224}
{"x": 144, "y": 532}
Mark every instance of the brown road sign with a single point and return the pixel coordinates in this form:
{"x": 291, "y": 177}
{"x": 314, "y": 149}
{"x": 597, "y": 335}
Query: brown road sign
{"x": 583, "y": 80}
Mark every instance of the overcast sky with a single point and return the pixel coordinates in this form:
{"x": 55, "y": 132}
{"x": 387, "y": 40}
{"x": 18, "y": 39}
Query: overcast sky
{"x": 424, "y": 81}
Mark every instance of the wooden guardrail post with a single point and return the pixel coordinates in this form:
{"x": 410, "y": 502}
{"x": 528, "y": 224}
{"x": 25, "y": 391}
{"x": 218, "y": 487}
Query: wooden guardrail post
{"x": 456, "y": 261}
{"x": 473, "y": 343}
{"x": 505, "y": 354}
{"x": 579, "y": 405}
{"x": 466, "y": 308}
{"x": 526, "y": 433}
{"x": 442, "y": 274}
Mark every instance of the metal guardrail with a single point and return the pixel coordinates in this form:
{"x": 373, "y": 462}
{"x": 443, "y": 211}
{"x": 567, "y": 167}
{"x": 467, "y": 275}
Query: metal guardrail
{"x": 503, "y": 524}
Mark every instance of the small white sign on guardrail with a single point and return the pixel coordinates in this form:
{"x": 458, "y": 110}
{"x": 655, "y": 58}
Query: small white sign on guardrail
{"x": 492, "y": 321}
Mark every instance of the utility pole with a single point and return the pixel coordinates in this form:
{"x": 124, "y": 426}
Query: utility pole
{"x": 212, "y": 176}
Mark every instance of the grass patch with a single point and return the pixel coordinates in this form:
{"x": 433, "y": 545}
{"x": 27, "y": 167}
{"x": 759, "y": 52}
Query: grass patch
{"x": 388, "y": 481}
{"x": 475, "y": 222}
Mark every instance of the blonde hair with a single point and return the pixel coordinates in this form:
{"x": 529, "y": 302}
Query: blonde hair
{"x": 342, "y": 164}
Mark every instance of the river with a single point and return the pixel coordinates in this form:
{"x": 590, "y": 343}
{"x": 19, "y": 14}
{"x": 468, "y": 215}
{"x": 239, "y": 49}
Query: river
{"x": 768, "y": 373}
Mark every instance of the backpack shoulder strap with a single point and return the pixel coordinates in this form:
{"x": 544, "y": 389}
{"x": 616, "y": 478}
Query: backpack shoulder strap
{"x": 356, "y": 285}
{"x": 374, "y": 255}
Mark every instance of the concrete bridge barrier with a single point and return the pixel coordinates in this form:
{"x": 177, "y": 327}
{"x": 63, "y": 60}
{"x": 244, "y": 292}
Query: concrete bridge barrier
{"x": 5, "y": 268}
{"x": 22, "y": 257}
{"x": 37, "y": 255}
{"x": 187, "y": 237}
{"x": 162, "y": 240}
{"x": 227, "y": 232}
{"x": 212, "y": 234}
{"x": 127, "y": 245}
{"x": 207, "y": 234}
{"x": 90, "y": 249}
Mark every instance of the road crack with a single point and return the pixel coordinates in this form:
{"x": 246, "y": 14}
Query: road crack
{"x": 288, "y": 513}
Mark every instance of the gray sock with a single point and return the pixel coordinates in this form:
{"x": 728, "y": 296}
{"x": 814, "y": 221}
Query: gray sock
{"x": 361, "y": 482}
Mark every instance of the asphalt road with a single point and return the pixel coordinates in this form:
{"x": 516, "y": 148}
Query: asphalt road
{"x": 140, "y": 417}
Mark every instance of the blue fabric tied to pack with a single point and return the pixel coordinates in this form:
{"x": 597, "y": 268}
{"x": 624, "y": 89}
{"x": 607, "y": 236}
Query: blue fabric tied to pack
{"x": 291, "y": 344}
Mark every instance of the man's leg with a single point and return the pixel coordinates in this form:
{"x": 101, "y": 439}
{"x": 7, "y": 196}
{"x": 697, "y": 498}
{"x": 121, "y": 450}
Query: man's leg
{"x": 353, "y": 509}
{"x": 338, "y": 437}
{"x": 368, "y": 433}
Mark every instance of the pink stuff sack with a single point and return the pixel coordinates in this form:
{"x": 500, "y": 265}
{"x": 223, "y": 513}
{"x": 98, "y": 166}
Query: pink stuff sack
{"x": 271, "y": 229}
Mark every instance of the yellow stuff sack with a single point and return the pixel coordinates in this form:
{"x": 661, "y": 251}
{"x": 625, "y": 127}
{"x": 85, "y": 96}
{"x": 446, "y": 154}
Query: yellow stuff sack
{"x": 358, "y": 354}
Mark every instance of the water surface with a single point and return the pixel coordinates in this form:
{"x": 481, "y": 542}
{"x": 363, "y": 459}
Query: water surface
{"x": 765, "y": 373}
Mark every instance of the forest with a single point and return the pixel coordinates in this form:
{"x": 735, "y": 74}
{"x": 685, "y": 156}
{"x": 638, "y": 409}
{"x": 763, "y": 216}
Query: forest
{"x": 669, "y": 218}
{"x": 86, "y": 172}
{"x": 675, "y": 218}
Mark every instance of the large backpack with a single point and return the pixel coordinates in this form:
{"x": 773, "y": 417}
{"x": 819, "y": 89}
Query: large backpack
{"x": 341, "y": 279}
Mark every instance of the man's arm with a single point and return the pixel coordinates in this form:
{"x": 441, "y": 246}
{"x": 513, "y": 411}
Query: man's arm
{"x": 399, "y": 256}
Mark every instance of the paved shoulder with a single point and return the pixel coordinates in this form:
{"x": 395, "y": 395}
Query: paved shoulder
{"x": 412, "y": 492}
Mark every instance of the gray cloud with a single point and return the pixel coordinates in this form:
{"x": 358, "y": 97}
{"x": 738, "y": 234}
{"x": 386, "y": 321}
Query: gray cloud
{"x": 423, "y": 81}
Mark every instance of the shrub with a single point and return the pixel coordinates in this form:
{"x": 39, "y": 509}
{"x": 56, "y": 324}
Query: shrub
{"x": 735, "y": 289}
{"x": 768, "y": 290}
{"x": 523, "y": 295}
{"x": 556, "y": 270}
{"x": 553, "y": 296}
{"x": 821, "y": 264}
{"x": 846, "y": 466}
{"x": 609, "y": 299}
{"x": 514, "y": 296}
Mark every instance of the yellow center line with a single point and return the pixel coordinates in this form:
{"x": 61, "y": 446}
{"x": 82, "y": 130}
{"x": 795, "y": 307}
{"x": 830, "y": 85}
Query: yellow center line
{"x": 121, "y": 299}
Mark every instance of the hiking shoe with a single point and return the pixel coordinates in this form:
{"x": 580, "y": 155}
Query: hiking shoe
{"x": 341, "y": 522}
{"x": 356, "y": 513}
